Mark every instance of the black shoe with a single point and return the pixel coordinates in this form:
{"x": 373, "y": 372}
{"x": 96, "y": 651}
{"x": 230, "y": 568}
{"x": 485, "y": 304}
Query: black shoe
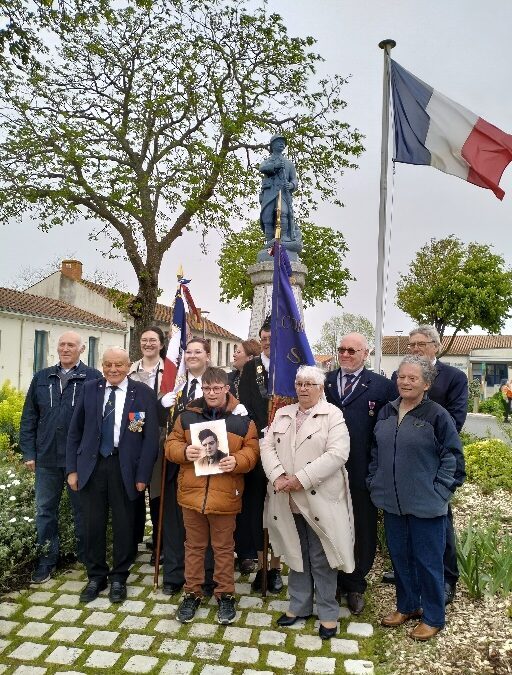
{"x": 285, "y": 620}
{"x": 449, "y": 593}
{"x": 152, "y": 560}
{"x": 388, "y": 577}
{"x": 256, "y": 584}
{"x": 226, "y": 612}
{"x": 327, "y": 633}
{"x": 355, "y": 602}
{"x": 92, "y": 590}
{"x": 42, "y": 573}
{"x": 171, "y": 589}
{"x": 188, "y": 608}
{"x": 274, "y": 581}
{"x": 117, "y": 591}
{"x": 246, "y": 566}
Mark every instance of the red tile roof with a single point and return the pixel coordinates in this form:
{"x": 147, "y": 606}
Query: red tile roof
{"x": 462, "y": 345}
{"x": 163, "y": 315}
{"x": 47, "y": 308}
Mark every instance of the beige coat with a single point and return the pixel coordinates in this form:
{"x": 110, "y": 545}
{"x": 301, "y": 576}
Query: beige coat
{"x": 317, "y": 456}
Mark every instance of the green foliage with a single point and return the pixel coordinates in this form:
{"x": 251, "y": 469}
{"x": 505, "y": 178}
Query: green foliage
{"x": 489, "y": 464}
{"x": 151, "y": 118}
{"x": 485, "y": 560}
{"x": 493, "y": 405}
{"x": 18, "y": 547}
{"x": 468, "y": 438}
{"x": 323, "y": 254}
{"x": 11, "y": 407}
{"x": 334, "y": 329}
{"x": 455, "y": 284}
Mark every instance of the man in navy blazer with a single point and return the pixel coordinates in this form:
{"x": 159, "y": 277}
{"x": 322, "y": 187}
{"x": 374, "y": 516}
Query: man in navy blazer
{"x": 111, "y": 449}
{"x": 449, "y": 389}
{"x": 360, "y": 394}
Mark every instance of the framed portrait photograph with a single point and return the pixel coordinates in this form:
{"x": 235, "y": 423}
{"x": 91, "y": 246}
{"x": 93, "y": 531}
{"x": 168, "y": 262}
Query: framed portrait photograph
{"x": 212, "y": 437}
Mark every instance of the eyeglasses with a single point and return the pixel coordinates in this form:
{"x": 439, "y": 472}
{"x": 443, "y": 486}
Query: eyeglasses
{"x": 305, "y": 385}
{"x": 349, "y": 350}
{"x": 421, "y": 345}
{"x": 215, "y": 390}
{"x": 151, "y": 341}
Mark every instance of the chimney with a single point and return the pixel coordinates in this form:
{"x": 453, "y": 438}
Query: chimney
{"x": 72, "y": 269}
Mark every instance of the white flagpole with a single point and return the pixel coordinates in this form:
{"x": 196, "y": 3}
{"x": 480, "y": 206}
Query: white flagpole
{"x": 387, "y": 46}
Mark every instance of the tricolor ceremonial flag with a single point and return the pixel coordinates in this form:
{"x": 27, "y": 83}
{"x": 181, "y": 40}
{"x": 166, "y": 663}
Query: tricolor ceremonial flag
{"x": 434, "y": 130}
{"x": 174, "y": 367}
{"x": 289, "y": 345}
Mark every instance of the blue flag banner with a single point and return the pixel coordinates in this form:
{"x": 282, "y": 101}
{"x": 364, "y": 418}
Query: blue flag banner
{"x": 289, "y": 345}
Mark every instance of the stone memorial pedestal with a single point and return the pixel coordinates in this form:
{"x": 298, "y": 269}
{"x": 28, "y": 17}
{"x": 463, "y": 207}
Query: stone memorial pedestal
{"x": 261, "y": 278}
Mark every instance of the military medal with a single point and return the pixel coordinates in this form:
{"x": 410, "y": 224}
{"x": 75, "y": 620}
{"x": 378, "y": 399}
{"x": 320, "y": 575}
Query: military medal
{"x": 136, "y": 421}
{"x": 371, "y": 406}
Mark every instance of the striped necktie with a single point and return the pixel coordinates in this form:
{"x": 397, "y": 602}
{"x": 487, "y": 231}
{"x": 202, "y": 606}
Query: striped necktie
{"x": 349, "y": 383}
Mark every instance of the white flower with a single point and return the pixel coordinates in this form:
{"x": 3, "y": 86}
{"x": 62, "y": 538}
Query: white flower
{"x": 2, "y": 487}
{"x": 12, "y": 520}
{"x": 12, "y": 498}
{"x": 16, "y": 482}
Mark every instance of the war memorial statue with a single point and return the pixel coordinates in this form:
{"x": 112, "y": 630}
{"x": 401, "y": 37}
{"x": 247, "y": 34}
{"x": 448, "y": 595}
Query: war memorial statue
{"x": 279, "y": 175}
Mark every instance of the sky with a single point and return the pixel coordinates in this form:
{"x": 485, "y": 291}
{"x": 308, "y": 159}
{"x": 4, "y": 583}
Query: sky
{"x": 462, "y": 49}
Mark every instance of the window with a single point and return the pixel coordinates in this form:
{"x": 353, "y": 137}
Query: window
{"x": 219, "y": 353}
{"x": 92, "y": 354}
{"x": 227, "y": 354}
{"x": 40, "y": 350}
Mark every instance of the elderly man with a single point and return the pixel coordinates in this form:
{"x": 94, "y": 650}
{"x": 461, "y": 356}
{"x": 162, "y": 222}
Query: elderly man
{"x": 359, "y": 394}
{"x": 449, "y": 389}
{"x": 112, "y": 447}
{"x": 47, "y": 412}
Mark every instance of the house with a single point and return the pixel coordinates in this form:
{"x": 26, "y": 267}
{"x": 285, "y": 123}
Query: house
{"x": 326, "y": 362}
{"x": 30, "y": 326}
{"x": 487, "y": 358}
{"x": 31, "y": 323}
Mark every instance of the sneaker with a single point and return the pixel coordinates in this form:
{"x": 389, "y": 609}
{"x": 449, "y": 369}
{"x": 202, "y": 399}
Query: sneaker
{"x": 274, "y": 581}
{"x": 226, "y": 612}
{"x": 42, "y": 573}
{"x": 188, "y": 608}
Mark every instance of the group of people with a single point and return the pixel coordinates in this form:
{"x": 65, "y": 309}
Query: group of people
{"x": 314, "y": 476}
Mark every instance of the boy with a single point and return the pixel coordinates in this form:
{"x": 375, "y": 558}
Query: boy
{"x": 210, "y": 503}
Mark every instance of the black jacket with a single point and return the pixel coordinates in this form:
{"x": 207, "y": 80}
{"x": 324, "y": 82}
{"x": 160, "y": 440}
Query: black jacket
{"x": 47, "y": 414}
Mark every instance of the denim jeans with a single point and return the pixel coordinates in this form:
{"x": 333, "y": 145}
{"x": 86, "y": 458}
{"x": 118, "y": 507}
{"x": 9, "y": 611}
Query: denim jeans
{"x": 416, "y": 546}
{"x": 49, "y": 485}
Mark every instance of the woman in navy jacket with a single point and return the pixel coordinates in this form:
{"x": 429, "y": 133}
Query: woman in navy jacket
{"x": 417, "y": 463}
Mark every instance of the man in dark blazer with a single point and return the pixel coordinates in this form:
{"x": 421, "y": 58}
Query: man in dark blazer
{"x": 449, "y": 389}
{"x": 359, "y": 394}
{"x": 111, "y": 449}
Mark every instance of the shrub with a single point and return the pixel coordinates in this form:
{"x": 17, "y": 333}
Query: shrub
{"x": 11, "y": 407}
{"x": 489, "y": 463}
{"x": 493, "y": 405}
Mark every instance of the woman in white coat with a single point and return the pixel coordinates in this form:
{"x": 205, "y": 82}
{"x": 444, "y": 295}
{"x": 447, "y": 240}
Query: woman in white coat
{"x": 308, "y": 510}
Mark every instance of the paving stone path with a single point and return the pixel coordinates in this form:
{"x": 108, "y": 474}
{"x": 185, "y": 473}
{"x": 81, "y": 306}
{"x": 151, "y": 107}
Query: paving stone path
{"x": 45, "y": 630}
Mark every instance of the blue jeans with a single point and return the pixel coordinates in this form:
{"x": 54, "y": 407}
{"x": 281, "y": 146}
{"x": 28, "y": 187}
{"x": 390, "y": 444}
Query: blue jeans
{"x": 416, "y": 546}
{"x": 49, "y": 485}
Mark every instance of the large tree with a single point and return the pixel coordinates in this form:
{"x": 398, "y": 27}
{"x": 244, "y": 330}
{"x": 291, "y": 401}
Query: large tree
{"x": 151, "y": 119}
{"x": 334, "y": 329}
{"x": 323, "y": 254}
{"x": 457, "y": 285}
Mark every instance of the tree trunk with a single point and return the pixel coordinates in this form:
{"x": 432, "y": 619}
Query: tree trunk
{"x": 142, "y": 309}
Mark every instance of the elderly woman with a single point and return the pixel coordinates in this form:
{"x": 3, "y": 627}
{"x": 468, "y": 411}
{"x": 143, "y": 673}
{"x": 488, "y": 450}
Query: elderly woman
{"x": 416, "y": 464}
{"x": 308, "y": 508}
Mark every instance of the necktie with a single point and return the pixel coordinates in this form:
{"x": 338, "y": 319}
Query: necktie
{"x": 349, "y": 383}
{"x": 192, "y": 393}
{"x": 107, "y": 425}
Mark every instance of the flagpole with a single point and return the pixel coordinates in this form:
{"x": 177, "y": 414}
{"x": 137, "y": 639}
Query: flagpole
{"x": 387, "y": 46}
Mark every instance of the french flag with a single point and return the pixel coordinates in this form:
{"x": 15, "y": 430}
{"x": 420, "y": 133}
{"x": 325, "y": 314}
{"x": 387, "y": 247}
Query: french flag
{"x": 432, "y": 129}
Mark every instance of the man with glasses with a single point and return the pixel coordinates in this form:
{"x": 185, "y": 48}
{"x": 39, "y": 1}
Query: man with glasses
{"x": 359, "y": 394}
{"x": 449, "y": 389}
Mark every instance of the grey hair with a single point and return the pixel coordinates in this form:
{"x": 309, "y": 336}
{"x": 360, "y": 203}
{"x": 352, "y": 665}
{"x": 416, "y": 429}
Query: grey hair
{"x": 429, "y": 331}
{"x": 312, "y": 373}
{"x": 114, "y": 348}
{"x": 428, "y": 369}
{"x": 81, "y": 342}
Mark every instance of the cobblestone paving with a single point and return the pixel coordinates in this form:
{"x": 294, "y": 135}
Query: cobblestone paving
{"x": 45, "y": 630}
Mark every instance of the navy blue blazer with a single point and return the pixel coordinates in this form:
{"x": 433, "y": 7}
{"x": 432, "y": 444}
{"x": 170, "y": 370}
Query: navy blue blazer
{"x": 449, "y": 389}
{"x": 137, "y": 450}
{"x": 360, "y": 411}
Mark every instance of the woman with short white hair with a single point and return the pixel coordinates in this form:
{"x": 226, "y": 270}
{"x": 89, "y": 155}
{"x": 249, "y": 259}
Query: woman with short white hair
{"x": 308, "y": 510}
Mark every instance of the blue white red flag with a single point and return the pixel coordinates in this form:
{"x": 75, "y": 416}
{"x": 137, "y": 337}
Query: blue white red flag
{"x": 289, "y": 347}
{"x": 432, "y": 129}
{"x": 174, "y": 376}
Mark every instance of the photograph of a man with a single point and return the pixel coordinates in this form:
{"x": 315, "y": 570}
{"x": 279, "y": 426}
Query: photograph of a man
{"x": 209, "y": 441}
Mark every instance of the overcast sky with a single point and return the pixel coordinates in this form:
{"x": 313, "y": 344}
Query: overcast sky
{"x": 461, "y": 48}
